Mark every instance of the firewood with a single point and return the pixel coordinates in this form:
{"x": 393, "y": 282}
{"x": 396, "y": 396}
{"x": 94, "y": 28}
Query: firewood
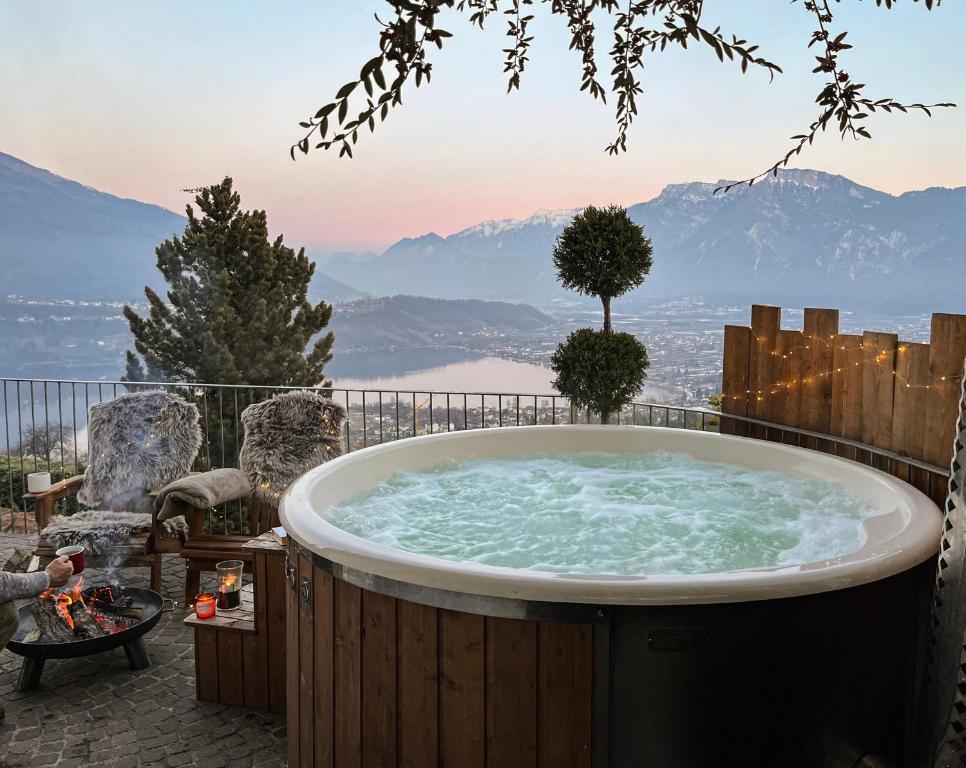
{"x": 22, "y": 561}
{"x": 50, "y": 622}
{"x": 123, "y": 613}
{"x": 84, "y": 624}
{"x": 18, "y": 561}
{"x": 119, "y": 608}
{"x": 105, "y": 598}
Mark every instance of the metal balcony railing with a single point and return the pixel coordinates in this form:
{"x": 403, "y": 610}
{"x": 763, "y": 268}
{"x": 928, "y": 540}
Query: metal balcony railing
{"x": 43, "y": 426}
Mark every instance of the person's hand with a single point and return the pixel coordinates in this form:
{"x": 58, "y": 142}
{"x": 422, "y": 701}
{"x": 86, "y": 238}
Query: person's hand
{"x": 59, "y": 571}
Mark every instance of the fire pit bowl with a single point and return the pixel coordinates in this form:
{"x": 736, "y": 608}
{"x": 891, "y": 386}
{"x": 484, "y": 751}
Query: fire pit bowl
{"x": 131, "y": 638}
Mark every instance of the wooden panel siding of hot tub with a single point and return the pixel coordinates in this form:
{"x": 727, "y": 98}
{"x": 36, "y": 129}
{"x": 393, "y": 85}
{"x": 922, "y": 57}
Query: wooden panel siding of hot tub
{"x": 383, "y": 682}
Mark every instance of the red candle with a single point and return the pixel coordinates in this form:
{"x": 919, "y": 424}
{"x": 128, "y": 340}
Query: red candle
{"x": 205, "y": 605}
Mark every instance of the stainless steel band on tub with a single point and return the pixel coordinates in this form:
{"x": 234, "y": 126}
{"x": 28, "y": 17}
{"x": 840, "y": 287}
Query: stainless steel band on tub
{"x": 484, "y": 605}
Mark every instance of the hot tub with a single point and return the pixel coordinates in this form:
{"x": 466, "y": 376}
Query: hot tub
{"x": 399, "y": 658}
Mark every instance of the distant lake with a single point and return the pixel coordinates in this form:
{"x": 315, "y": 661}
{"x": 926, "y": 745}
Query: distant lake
{"x": 469, "y": 374}
{"x": 355, "y": 367}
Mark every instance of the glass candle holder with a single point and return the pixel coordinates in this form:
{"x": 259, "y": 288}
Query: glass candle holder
{"x": 229, "y": 584}
{"x": 205, "y": 605}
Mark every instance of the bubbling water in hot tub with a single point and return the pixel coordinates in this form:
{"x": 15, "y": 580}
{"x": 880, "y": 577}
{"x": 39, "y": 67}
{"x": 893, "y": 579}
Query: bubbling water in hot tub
{"x": 609, "y": 513}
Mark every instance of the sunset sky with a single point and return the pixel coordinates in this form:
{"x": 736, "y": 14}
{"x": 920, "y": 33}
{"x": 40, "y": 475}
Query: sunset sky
{"x": 144, "y": 99}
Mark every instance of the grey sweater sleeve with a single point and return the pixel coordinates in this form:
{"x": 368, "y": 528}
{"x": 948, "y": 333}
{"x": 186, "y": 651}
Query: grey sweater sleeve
{"x": 14, "y": 586}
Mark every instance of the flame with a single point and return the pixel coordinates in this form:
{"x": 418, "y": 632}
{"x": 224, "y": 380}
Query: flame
{"x": 75, "y": 592}
{"x": 64, "y": 600}
{"x": 228, "y": 582}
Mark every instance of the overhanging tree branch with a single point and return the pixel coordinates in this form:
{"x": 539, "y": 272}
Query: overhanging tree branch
{"x": 639, "y": 27}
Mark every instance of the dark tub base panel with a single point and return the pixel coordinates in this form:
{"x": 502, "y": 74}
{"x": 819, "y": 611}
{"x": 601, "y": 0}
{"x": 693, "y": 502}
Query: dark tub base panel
{"x": 377, "y": 678}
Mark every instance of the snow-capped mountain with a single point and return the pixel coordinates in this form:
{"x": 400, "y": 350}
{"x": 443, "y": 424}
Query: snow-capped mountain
{"x": 803, "y": 237}
{"x": 542, "y": 218}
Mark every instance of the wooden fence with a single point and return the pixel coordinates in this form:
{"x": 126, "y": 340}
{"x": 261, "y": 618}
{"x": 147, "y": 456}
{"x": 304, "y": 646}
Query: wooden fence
{"x": 897, "y": 396}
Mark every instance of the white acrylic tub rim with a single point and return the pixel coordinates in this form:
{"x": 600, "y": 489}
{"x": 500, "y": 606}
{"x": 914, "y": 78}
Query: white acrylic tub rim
{"x": 903, "y": 534}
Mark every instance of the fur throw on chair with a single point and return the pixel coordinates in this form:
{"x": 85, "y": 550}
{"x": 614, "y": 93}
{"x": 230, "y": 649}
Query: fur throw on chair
{"x": 138, "y": 443}
{"x": 285, "y": 437}
{"x": 98, "y": 530}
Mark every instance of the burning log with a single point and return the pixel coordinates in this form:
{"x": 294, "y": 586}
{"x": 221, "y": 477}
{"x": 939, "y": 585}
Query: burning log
{"x": 116, "y": 610}
{"x": 117, "y": 607}
{"x": 109, "y": 594}
{"x": 50, "y": 621}
{"x": 104, "y": 594}
{"x": 84, "y": 624}
{"x": 83, "y": 615}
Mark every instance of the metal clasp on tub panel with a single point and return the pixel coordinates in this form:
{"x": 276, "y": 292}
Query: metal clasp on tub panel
{"x": 305, "y": 590}
{"x": 291, "y": 572}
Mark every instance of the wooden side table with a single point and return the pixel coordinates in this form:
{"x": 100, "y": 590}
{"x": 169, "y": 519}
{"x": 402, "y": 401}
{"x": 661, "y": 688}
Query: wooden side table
{"x": 240, "y": 655}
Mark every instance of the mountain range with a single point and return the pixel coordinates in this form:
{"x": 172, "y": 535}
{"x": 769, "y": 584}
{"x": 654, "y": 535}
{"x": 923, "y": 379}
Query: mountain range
{"x": 63, "y": 240}
{"x": 803, "y": 237}
{"x": 71, "y": 255}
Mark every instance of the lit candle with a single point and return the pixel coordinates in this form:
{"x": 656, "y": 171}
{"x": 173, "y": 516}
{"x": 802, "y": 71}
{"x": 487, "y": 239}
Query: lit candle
{"x": 229, "y": 584}
{"x": 205, "y": 605}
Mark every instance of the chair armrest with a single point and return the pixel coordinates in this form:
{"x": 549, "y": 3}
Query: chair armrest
{"x": 57, "y": 491}
{"x": 45, "y": 500}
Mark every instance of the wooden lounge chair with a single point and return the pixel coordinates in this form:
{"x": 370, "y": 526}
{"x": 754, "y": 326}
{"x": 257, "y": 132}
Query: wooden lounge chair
{"x": 285, "y": 436}
{"x": 137, "y": 442}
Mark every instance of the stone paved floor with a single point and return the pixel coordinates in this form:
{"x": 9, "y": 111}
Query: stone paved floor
{"x": 94, "y": 711}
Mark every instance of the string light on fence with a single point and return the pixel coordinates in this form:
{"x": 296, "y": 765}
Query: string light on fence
{"x": 878, "y": 357}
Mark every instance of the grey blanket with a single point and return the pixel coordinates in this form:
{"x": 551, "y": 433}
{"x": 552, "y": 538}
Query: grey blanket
{"x": 201, "y": 491}
{"x": 99, "y": 530}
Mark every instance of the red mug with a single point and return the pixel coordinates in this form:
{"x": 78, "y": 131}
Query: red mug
{"x": 75, "y": 552}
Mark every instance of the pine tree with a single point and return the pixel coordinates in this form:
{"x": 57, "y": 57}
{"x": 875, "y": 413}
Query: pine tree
{"x": 237, "y": 310}
{"x": 135, "y": 369}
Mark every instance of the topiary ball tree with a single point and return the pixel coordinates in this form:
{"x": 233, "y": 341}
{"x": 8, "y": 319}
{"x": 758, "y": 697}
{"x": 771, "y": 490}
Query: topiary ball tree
{"x": 601, "y": 253}
{"x": 600, "y": 370}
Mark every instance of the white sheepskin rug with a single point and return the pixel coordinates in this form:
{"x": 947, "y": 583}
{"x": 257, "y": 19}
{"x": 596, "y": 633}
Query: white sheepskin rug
{"x": 99, "y": 530}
